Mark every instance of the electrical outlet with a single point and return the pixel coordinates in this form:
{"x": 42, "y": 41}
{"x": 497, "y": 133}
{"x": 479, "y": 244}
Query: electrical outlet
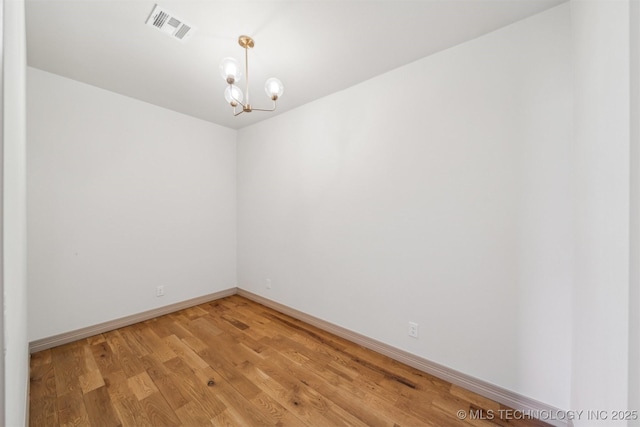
{"x": 160, "y": 291}
{"x": 267, "y": 283}
{"x": 413, "y": 330}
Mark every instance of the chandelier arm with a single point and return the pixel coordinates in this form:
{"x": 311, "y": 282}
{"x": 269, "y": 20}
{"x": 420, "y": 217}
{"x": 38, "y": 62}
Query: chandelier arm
{"x": 264, "y": 109}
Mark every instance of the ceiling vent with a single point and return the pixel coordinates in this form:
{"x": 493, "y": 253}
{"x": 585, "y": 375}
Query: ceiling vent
{"x": 165, "y": 21}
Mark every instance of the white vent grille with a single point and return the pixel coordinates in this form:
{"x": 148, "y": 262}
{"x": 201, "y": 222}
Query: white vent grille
{"x": 165, "y": 21}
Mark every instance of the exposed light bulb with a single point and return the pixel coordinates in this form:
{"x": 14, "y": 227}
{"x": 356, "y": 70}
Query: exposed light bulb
{"x": 230, "y": 70}
{"x": 233, "y": 95}
{"x": 274, "y": 88}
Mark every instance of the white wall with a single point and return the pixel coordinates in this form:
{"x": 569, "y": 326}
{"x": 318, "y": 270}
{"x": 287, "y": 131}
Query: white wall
{"x": 438, "y": 193}
{"x": 123, "y": 196}
{"x": 16, "y": 356}
{"x": 601, "y": 336}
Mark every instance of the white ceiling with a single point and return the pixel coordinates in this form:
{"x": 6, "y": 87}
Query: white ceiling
{"x": 315, "y": 47}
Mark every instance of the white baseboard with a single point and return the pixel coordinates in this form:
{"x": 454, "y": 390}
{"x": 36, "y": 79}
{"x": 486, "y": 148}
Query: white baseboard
{"x": 78, "y": 334}
{"x": 483, "y": 388}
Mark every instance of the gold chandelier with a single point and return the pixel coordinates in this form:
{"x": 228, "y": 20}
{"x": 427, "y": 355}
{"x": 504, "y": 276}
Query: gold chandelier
{"x": 232, "y": 73}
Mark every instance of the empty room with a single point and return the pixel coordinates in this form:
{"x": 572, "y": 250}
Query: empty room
{"x": 320, "y": 213}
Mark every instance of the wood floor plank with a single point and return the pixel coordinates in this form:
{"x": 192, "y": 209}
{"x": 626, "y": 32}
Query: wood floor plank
{"x": 104, "y": 358}
{"x": 232, "y": 398}
{"x": 41, "y": 358}
{"x": 151, "y": 339}
{"x": 100, "y": 409}
{"x": 229, "y": 418}
{"x": 91, "y": 377}
{"x": 96, "y": 339}
{"x": 42, "y": 381}
{"x": 205, "y": 328}
{"x": 259, "y": 326}
{"x": 117, "y": 385}
{"x": 276, "y": 411}
{"x": 179, "y": 325}
{"x": 43, "y": 411}
{"x": 68, "y": 367}
{"x": 185, "y": 352}
{"x": 131, "y": 413}
{"x": 132, "y": 340}
{"x": 91, "y": 380}
{"x": 231, "y": 374}
{"x": 191, "y": 415}
{"x": 129, "y": 362}
{"x": 194, "y": 312}
{"x": 194, "y": 388}
{"x": 195, "y": 344}
{"x": 233, "y": 362}
{"x": 142, "y": 385}
{"x": 163, "y": 379}
{"x": 159, "y": 412}
{"x": 159, "y": 325}
{"x": 71, "y": 410}
{"x": 304, "y": 402}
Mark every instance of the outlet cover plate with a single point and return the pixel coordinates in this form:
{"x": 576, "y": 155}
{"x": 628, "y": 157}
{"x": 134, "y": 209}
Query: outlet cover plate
{"x": 413, "y": 329}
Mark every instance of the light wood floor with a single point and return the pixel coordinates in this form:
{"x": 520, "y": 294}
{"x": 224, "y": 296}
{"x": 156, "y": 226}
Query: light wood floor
{"x": 233, "y": 362}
